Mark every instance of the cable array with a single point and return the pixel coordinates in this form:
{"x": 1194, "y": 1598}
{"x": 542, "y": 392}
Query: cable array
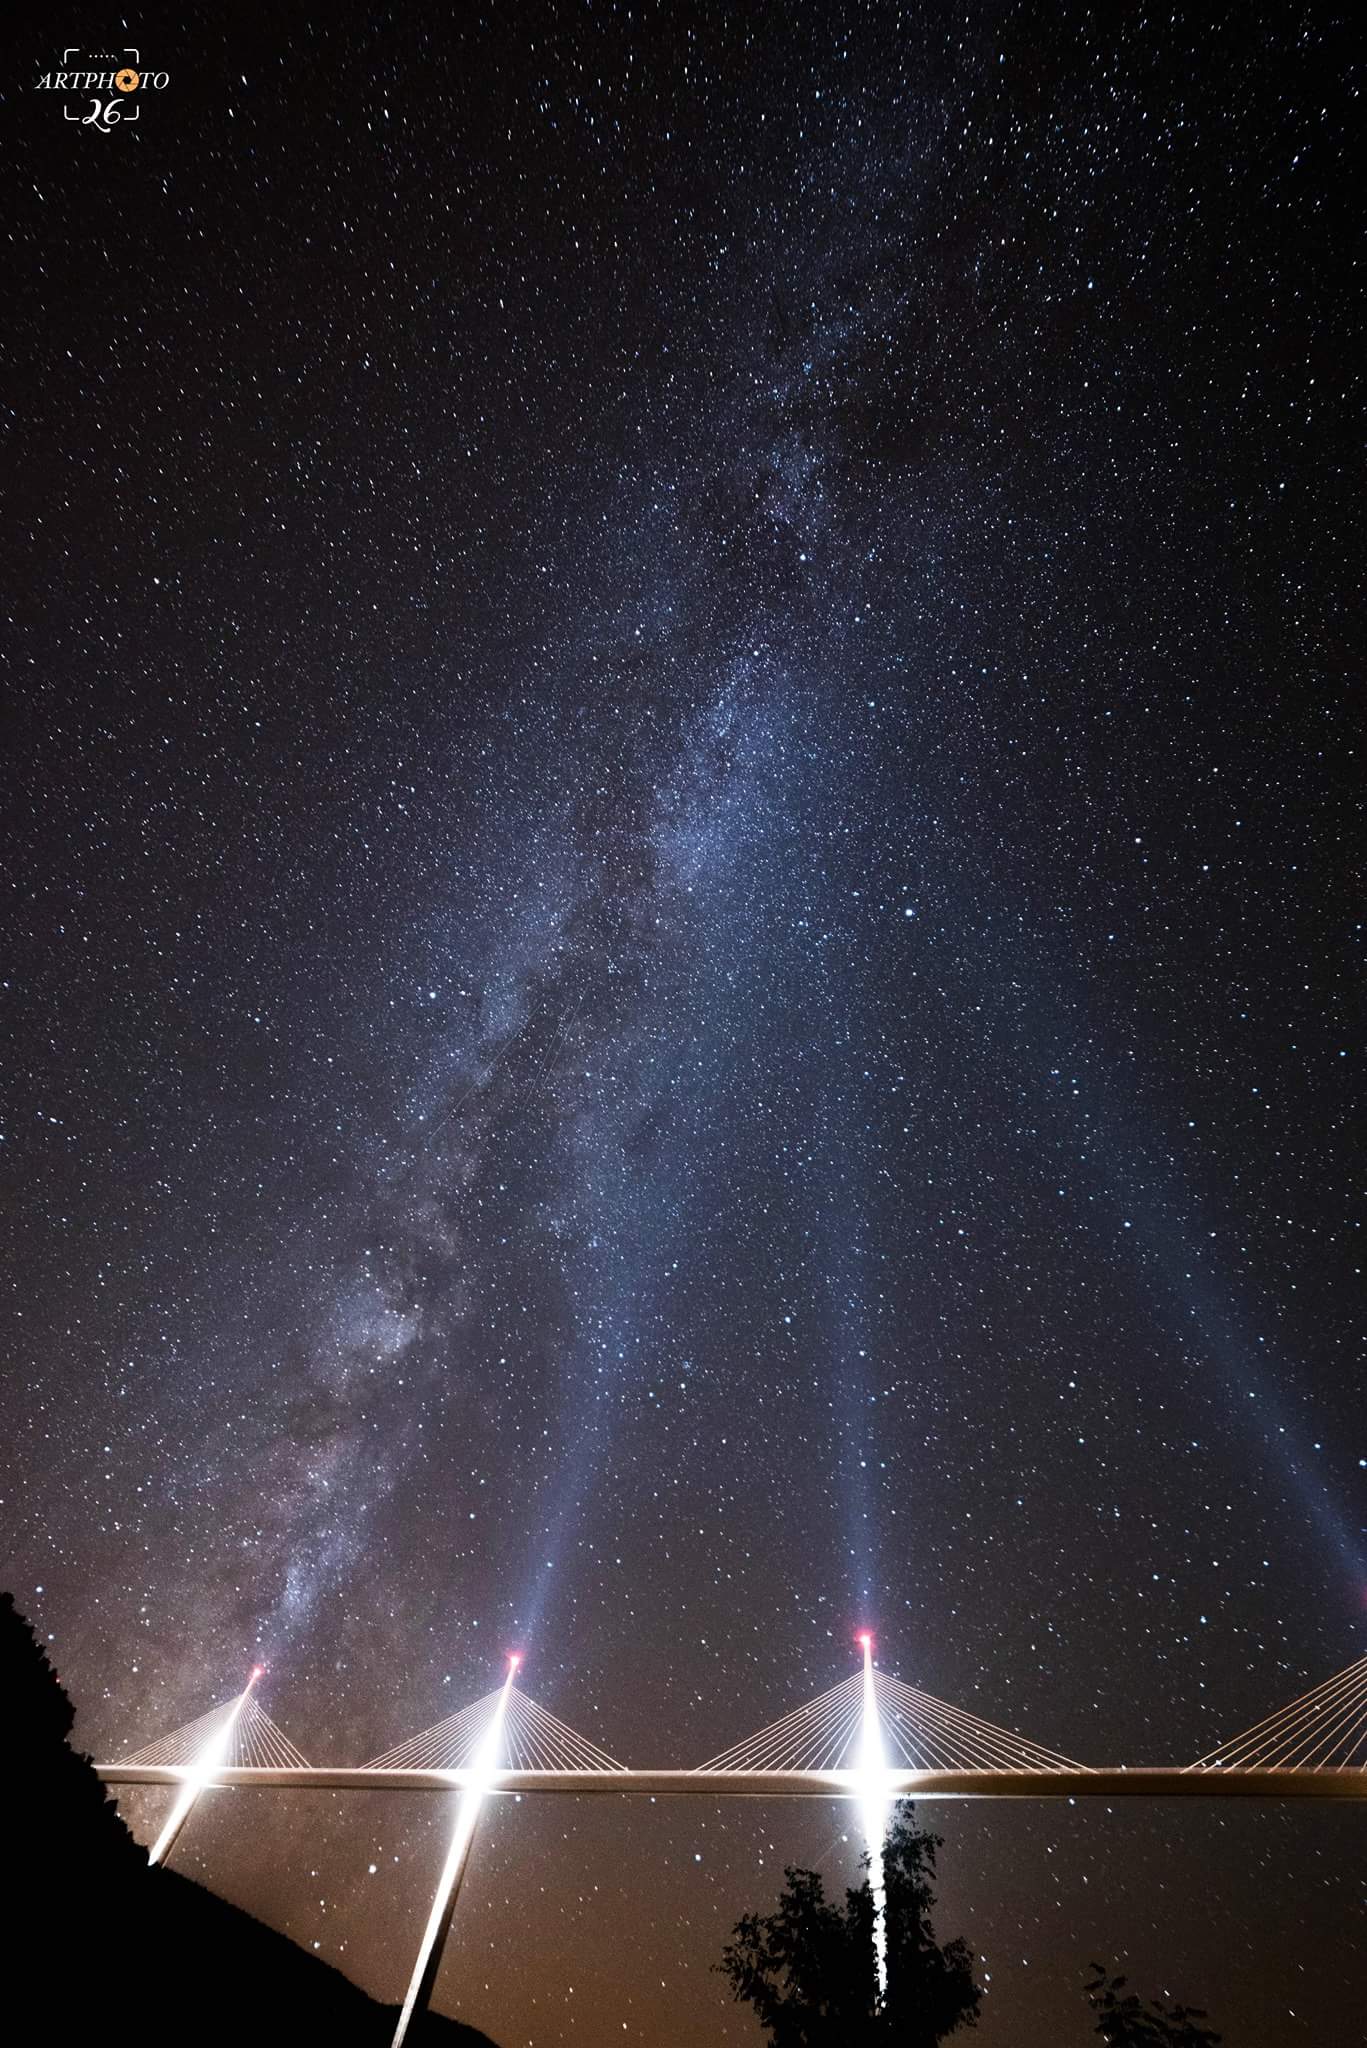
{"x": 254, "y": 1741}
{"x": 814, "y": 1738}
{"x": 532, "y": 1740}
{"x": 1325, "y": 1729}
{"x": 919, "y": 1732}
{"x": 929, "y": 1735}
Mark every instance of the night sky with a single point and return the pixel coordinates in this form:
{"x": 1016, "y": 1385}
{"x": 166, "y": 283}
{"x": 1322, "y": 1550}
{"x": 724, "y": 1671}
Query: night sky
{"x": 680, "y": 948}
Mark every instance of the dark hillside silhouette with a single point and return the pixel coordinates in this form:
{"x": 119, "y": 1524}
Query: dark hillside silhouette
{"x": 97, "y": 1945}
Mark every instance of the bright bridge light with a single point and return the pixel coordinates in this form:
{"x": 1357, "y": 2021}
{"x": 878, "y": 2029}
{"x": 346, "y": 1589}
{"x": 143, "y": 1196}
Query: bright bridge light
{"x": 479, "y": 1776}
{"x": 871, "y": 1774}
{"x": 483, "y": 1768}
{"x": 209, "y": 1760}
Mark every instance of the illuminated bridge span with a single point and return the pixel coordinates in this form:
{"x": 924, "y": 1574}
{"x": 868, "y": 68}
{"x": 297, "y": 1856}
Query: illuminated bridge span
{"x": 870, "y": 1739}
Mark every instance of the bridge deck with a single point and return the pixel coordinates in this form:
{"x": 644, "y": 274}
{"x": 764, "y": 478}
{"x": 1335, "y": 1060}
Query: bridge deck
{"x": 1151, "y": 1783}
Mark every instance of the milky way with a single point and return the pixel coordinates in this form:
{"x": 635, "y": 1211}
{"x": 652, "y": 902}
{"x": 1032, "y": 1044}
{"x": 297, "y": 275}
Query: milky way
{"x": 680, "y": 969}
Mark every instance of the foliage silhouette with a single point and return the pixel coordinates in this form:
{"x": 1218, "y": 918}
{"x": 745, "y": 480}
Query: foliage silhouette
{"x": 809, "y": 1970}
{"x": 1123, "y": 2021}
{"x": 97, "y": 1944}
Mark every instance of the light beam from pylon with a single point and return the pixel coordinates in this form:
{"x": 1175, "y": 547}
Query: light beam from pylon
{"x": 200, "y": 1772}
{"x": 481, "y": 1775}
{"x": 872, "y": 1773}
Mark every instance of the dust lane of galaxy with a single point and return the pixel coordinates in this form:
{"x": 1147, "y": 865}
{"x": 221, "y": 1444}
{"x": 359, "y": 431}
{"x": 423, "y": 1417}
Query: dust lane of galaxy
{"x": 680, "y": 967}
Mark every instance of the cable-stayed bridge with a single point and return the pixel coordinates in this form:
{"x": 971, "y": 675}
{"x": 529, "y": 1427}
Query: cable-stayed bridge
{"x": 871, "y": 1739}
{"x": 932, "y": 1750}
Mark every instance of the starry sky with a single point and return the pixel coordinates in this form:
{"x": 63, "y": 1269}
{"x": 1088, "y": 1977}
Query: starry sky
{"x": 680, "y": 950}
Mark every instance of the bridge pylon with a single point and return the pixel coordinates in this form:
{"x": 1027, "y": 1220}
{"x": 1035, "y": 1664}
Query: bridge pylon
{"x": 240, "y": 1732}
{"x": 504, "y": 1729}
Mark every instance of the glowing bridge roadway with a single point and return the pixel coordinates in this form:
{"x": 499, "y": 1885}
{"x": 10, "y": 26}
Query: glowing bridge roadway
{"x": 1081, "y": 1783}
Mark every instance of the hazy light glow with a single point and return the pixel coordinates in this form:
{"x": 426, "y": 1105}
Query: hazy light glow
{"x": 201, "y": 1771}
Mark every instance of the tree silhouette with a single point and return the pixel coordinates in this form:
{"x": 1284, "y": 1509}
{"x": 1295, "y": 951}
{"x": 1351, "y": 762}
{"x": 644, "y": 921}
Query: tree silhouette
{"x": 809, "y": 1968}
{"x": 1123, "y": 2021}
